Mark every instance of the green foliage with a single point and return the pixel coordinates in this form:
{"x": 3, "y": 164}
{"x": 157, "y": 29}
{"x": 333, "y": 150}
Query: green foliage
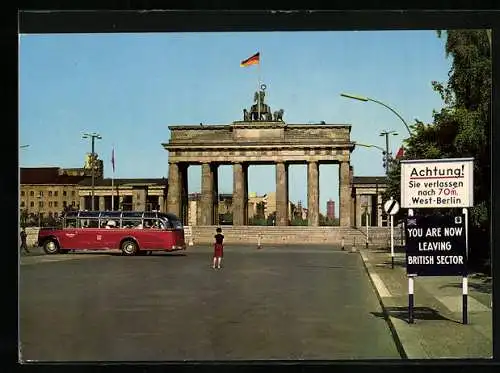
{"x": 462, "y": 127}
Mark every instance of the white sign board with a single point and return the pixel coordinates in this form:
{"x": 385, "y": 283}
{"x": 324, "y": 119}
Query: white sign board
{"x": 437, "y": 183}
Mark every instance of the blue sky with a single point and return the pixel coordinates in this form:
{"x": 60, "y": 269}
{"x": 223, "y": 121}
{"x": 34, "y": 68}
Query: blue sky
{"x": 130, "y": 87}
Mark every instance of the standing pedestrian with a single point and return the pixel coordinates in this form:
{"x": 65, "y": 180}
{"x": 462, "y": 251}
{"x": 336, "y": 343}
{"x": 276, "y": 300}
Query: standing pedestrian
{"x": 24, "y": 245}
{"x": 218, "y": 248}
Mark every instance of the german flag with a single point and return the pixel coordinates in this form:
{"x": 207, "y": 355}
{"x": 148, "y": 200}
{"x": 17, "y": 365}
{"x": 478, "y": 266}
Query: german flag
{"x": 254, "y": 60}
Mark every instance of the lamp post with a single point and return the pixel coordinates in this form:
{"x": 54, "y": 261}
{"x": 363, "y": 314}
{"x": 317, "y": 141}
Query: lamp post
{"x": 386, "y": 134}
{"x": 92, "y": 137}
{"x": 362, "y": 98}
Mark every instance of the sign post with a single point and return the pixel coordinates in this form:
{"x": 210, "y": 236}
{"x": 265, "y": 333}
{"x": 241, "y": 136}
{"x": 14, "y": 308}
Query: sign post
{"x": 437, "y": 245}
{"x": 392, "y": 207}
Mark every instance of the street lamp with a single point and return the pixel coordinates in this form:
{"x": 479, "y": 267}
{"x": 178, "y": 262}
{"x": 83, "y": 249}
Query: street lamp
{"x": 370, "y": 146}
{"x": 92, "y": 137}
{"x": 361, "y": 98}
{"x": 386, "y": 134}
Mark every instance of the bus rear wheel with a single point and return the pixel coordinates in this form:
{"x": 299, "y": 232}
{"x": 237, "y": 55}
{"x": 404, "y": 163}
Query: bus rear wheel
{"x": 129, "y": 248}
{"x": 50, "y": 247}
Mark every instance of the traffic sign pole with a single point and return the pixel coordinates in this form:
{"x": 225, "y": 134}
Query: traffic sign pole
{"x": 392, "y": 241}
{"x": 391, "y": 207}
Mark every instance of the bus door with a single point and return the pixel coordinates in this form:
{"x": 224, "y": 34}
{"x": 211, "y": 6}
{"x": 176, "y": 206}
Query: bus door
{"x": 90, "y": 236}
{"x": 70, "y": 234}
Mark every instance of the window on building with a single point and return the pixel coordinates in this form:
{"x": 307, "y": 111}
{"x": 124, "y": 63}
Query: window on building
{"x": 41, "y": 193}
{"x": 50, "y": 214}
{"x": 64, "y": 193}
{"x": 32, "y": 204}
{"x": 22, "y": 193}
{"x": 65, "y": 204}
{"x": 56, "y": 193}
{"x": 22, "y": 203}
{"x": 50, "y": 193}
{"x": 73, "y": 193}
{"x": 40, "y": 203}
{"x": 32, "y": 193}
{"x": 50, "y": 203}
{"x": 73, "y": 203}
{"x": 55, "y": 203}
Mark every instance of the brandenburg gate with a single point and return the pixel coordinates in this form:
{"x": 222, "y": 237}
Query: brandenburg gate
{"x": 261, "y": 138}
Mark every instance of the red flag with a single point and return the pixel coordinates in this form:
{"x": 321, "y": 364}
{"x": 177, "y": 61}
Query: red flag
{"x": 400, "y": 153}
{"x": 113, "y": 159}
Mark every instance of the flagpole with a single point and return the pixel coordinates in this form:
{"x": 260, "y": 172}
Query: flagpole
{"x": 113, "y": 183}
{"x": 258, "y": 88}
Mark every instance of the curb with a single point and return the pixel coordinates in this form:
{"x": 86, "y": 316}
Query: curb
{"x": 392, "y": 328}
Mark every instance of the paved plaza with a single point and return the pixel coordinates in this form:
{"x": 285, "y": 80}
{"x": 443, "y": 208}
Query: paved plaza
{"x": 282, "y": 302}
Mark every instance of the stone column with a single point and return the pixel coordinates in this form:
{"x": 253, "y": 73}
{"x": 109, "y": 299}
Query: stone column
{"x": 379, "y": 210}
{"x": 207, "y": 194}
{"x": 82, "y": 203}
{"x": 161, "y": 202}
{"x": 281, "y": 193}
{"x": 359, "y": 210}
{"x": 183, "y": 173}
{"x": 102, "y": 203}
{"x": 345, "y": 195}
{"x": 313, "y": 193}
{"x": 215, "y": 197}
{"x": 353, "y": 210}
{"x": 174, "y": 190}
{"x": 238, "y": 194}
{"x": 245, "y": 194}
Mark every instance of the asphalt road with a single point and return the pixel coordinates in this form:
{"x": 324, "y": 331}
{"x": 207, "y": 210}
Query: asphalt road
{"x": 276, "y": 303}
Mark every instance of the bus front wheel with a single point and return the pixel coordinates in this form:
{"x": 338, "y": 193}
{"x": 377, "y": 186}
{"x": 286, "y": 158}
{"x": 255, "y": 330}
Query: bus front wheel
{"x": 50, "y": 246}
{"x": 129, "y": 248}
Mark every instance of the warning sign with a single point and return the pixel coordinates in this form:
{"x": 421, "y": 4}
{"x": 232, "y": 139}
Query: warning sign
{"x": 435, "y": 245}
{"x": 437, "y": 183}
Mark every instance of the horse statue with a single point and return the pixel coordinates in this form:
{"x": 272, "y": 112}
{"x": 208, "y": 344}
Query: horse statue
{"x": 246, "y": 115}
{"x": 278, "y": 115}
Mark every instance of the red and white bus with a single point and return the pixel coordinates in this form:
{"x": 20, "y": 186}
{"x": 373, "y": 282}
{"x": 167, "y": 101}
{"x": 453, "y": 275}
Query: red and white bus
{"x": 132, "y": 232}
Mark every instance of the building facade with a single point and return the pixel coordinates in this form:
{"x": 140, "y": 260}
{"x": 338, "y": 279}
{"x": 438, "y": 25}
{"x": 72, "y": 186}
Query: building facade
{"x": 123, "y": 194}
{"x": 47, "y": 191}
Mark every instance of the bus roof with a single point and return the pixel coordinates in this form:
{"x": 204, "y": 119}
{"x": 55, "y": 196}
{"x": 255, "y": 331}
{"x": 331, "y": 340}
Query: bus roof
{"x": 120, "y": 214}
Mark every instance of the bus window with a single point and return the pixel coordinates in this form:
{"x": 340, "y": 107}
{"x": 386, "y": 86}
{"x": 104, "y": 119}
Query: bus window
{"x": 70, "y": 222}
{"x": 92, "y": 223}
{"x": 132, "y": 223}
{"x": 151, "y": 223}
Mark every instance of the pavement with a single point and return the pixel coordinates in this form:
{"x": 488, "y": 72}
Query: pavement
{"x": 278, "y": 303}
{"x": 438, "y": 330}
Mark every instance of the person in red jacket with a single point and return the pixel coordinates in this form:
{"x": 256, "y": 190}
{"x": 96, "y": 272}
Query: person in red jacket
{"x": 218, "y": 248}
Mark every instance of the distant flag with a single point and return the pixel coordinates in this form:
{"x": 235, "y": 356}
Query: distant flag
{"x": 254, "y": 60}
{"x": 113, "y": 159}
{"x": 400, "y": 153}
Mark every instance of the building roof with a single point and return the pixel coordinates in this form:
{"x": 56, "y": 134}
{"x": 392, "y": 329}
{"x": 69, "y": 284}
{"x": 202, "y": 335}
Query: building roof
{"x": 123, "y": 182}
{"x": 46, "y": 175}
{"x": 369, "y": 180}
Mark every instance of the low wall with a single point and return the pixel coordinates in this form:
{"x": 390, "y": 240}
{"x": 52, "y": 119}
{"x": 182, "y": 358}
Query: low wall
{"x": 378, "y": 236}
{"x": 32, "y": 237}
{"x": 294, "y": 235}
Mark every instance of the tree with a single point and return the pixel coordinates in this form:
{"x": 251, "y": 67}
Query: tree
{"x": 462, "y": 127}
